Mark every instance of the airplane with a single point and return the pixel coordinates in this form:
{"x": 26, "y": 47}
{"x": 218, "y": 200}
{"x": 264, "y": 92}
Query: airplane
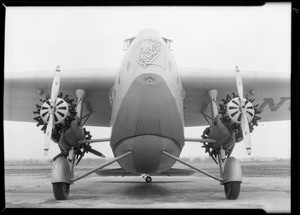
{"x": 147, "y": 103}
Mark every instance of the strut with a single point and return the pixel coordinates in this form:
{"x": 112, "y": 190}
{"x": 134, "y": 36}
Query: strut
{"x": 101, "y": 167}
{"x": 193, "y": 167}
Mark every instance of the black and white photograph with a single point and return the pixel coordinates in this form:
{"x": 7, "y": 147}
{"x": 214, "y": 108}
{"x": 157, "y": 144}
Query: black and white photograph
{"x": 148, "y": 107}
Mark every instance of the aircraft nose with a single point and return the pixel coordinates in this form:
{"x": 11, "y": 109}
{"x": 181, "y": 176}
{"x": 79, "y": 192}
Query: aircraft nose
{"x": 149, "y": 32}
{"x": 150, "y": 53}
{"x": 150, "y": 79}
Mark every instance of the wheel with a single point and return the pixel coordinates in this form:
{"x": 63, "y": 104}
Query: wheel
{"x": 61, "y": 190}
{"x": 232, "y": 189}
{"x": 148, "y": 179}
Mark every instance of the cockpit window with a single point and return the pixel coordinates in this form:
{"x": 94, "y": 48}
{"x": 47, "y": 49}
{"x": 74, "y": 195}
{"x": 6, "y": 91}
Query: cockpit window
{"x": 168, "y": 42}
{"x": 127, "y": 43}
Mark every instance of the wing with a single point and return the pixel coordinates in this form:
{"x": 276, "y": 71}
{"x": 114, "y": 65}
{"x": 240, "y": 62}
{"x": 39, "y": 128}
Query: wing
{"x": 271, "y": 92}
{"x": 21, "y": 92}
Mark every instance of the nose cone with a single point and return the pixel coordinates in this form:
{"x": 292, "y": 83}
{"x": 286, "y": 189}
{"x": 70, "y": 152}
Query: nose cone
{"x": 149, "y": 32}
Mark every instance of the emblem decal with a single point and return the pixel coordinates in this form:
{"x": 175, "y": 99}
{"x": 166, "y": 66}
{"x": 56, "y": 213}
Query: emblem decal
{"x": 150, "y": 50}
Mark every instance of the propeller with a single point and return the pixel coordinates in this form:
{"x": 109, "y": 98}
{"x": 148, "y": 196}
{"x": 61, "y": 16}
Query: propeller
{"x": 52, "y": 100}
{"x": 87, "y": 148}
{"x": 242, "y": 107}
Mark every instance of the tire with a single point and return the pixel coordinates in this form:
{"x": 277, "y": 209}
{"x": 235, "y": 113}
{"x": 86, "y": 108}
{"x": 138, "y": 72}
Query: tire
{"x": 232, "y": 189}
{"x": 148, "y": 179}
{"x": 61, "y": 190}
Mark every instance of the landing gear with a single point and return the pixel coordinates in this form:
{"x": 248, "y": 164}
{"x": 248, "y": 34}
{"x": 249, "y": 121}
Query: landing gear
{"x": 232, "y": 189}
{"x": 61, "y": 190}
{"x": 60, "y": 178}
{"x": 148, "y": 179}
{"x": 230, "y": 174}
{"x": 232, "y": 178}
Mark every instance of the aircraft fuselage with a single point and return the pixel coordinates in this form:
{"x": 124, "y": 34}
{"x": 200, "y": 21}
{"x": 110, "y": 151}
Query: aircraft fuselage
{"x": 147, "y": 106}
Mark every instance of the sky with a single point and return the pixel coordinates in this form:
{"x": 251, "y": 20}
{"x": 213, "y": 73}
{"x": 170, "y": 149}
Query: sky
{"x": 254, "y": 38}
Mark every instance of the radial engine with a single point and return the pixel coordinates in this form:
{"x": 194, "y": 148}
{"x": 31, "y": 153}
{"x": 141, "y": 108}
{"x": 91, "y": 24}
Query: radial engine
{"x": 64, "y": 114}
{"x": 226, "y": 127}
{"x": 233, "y": 119}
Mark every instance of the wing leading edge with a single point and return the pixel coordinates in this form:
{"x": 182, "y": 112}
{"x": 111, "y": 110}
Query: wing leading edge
{"x": 271, "y": 92}
{"x": 21, "y": 92}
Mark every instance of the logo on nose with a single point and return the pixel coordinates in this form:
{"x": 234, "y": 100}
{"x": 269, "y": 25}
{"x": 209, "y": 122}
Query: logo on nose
{"x": 150, "y": 50}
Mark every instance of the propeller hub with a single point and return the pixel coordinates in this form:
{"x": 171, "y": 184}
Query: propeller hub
{"x": 60, "y": 110}
{"x": 236, "y": 107}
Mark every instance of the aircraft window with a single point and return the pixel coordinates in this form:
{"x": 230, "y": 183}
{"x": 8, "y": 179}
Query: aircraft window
{"x": 127, "y": 43}
{"x": 168, "y": 42}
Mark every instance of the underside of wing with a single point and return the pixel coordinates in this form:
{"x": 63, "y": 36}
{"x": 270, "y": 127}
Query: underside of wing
{"x": 22, "y": 91}
{"x": 270, "y": 91}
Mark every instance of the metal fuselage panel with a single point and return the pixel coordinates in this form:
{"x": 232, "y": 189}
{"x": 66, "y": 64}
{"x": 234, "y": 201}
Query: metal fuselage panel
{"x": 147, "y": 106}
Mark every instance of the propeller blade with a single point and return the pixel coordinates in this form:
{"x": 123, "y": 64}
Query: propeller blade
{"x": 55, "y": 84}
{"x": 93, "y": 151}
{"x": 80, "y": 157}
{"x": 54, "y": 94}
{"x": 246, "y": 133}
{"x": 239, "y": 83}
{"x": 85, "y": 149}
{"x": 48, "y": 135}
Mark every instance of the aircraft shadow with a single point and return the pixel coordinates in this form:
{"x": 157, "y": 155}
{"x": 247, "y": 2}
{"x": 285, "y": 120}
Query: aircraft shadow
{"x": 146, "y": 191}
{"x": 143, "y": 182}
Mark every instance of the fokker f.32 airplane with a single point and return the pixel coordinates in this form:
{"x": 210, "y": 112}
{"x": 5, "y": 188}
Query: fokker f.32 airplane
{"x": 147, "y": 103}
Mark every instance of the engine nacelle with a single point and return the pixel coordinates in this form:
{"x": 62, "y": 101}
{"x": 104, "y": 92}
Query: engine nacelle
{"x": 221, "y": 133}
{"x": 73, "y": 134}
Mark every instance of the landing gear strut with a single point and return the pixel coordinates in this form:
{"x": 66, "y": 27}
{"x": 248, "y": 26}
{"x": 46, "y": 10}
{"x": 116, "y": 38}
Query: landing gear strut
{"x": 232, "y": 178}
{"x": 60, "y": 178}
{"x": 147, "y": 178}
{"x": 230, "y": 175}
